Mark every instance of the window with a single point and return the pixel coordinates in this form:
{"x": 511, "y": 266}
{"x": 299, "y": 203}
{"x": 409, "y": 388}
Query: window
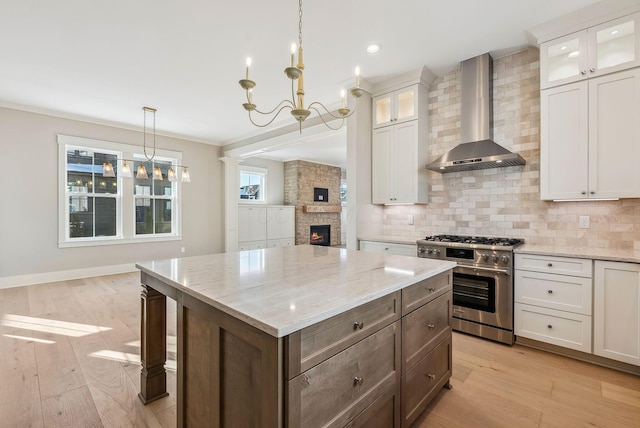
{"x": 253, "y": 185}
{"x": 97, "y": 210}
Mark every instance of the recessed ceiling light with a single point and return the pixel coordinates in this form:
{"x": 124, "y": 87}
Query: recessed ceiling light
{"x": 373, "y": 48}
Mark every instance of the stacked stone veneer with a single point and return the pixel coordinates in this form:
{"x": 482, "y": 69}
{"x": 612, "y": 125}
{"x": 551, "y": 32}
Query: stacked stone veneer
{"x": 300, "y": 178}
{"x": 506, "y": 201}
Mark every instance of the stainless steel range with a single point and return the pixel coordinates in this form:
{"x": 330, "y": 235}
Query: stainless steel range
{"x": 482, "y": 282}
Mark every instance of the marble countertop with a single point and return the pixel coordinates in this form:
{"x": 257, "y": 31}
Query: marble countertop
{"x": 390, "y": 238}
{"x": 282, "y": 290}
{"x": 610, "y": 254}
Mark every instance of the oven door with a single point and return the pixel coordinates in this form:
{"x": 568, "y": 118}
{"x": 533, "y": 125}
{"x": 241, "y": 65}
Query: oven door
{"x": 483, "y": 295}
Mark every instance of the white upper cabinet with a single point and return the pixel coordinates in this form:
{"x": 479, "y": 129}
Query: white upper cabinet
{"x": 395, "y": 107}
{"x": 590, "y": 138}
{"x": 605, "y": 48}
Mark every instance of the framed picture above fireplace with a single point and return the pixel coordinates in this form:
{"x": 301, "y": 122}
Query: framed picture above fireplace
{"x": 320, "y": 194}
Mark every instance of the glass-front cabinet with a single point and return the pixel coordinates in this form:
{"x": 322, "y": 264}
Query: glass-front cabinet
{"x": 395, "y": 107}
{"x": 606, "y": 48}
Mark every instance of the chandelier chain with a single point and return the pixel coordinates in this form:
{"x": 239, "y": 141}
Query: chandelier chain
{"x": 144, "y": 134}
{"x": 300, "y": 23}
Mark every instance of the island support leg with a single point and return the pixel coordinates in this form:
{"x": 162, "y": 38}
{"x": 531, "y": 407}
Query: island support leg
{"x": 153, "y": 344}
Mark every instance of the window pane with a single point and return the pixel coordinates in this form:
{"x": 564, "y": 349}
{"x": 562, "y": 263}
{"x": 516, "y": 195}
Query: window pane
{"x": 105, "y": 216}
{"x": 250, "y": 185}
{"x": 80, "y": 217}
{"x": 79, "y": 171}
{"x": 163, "y": 216}
{"x": 144, "y": 216}
{"x": 105, "y": 184}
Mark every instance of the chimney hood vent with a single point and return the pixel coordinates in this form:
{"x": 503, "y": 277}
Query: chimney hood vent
{"x": 478, "y": 150}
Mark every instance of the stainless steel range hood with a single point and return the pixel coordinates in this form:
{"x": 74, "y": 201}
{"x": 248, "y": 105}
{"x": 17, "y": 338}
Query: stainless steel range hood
{"x": 478, "y": 150}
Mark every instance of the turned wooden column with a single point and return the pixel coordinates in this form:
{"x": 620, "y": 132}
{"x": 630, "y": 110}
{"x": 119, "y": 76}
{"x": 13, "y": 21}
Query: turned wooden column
{"x": 153, "y": 344}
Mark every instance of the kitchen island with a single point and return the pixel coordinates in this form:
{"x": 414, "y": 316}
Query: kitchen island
{"x": 298, "y": 336}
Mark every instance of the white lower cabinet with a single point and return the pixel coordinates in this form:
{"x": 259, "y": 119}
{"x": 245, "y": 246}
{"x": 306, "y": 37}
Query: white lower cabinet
{"x": 616, "y": 314}
{"x": 265, "y": 226}
{"x": 552, "y": 305}
{"x": 389, "y": 248}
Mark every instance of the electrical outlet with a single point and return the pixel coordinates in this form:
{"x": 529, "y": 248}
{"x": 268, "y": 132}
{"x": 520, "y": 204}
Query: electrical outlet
{"x": 182, "y": 250}
{"x": 583, "y": 222}
{"x": 410, "y": 219}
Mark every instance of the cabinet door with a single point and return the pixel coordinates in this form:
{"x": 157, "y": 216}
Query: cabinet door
{"x": 252, "y": 223}
{"x": 381, "y": 165}
{"x": 616, "y": 311}
{"x": 614, "y": 45}
{"x": 614, "y": 135}
{"x": 564, "y": 142}
{"x": 563, "y": 60}
{"x": 382, "y": 110}
{"x": 280, "y": 222}
{"x": 406, "y": 104}
{"x": 404, "y": 157}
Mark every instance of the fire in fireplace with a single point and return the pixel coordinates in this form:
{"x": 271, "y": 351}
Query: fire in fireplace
{"x": 320, "y": 235}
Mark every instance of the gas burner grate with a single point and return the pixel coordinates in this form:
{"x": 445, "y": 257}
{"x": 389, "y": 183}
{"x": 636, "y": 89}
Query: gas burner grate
{"x": 481, "y": 240}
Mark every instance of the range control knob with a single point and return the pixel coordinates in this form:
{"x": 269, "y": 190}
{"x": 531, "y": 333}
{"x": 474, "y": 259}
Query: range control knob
{"x": 420, "y": 250}
{"x": 495, "y": 258}
{"x": 429, "y": 250}
{"x": 505, "y": 259}
{"x": 484, "y": 256}
{"x": 436, "y": 252}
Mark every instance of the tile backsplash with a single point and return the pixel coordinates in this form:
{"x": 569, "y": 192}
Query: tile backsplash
{"x": 506, "y": 201}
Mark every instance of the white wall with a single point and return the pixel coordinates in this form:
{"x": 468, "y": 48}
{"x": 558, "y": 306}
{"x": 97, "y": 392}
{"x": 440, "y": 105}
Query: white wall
{"x": 29, "y": 203}
{"x": 275, "y": 178}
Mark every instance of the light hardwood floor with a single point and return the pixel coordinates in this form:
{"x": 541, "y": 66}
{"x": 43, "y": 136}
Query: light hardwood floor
{"x": 69, "y": 357}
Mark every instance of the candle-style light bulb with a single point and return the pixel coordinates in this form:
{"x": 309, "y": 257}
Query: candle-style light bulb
{"x": 342, "y": 96}
{"x": 293, "y": 54}
{"x": 357, "y": 77}
{"x": 248, "y": 65}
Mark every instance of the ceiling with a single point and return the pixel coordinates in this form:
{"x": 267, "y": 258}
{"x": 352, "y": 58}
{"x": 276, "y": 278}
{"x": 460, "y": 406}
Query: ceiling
{"x": 104, "y": 61}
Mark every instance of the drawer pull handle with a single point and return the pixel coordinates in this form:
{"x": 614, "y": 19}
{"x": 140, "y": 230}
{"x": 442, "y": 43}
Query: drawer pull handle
{"x": 550, "y": 291}
{"x": 431, "y": 376}
{"x": 549, "y": 326}
{"x": 358, "y": 325}
{"x": 431, "y": 326}
{"x": 431, "y": 289}
{"x": 549, "y": 264}
{"x": 357, "y": 381}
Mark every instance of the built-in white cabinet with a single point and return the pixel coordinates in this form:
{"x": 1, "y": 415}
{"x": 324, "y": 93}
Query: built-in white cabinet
{"x": 553, "y": 298}
{"x": 265, "y": 226}
{"x": 396, "y": 107}
{"x": 389, "y": 248}
{"x": 399, "y": 147}
{"x": 616, "y": 313}
{"x": 590, "y": 138}
{"x": 606, "y": 48}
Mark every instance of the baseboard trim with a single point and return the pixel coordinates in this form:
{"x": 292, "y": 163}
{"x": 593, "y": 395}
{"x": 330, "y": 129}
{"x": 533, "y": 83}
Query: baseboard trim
{"x": 578, "y": 355}
{"x": 64, "y": 275}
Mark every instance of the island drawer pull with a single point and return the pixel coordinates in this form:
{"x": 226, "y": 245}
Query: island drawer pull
{"x": 431, "y": 376}
{"x": 431, "y": 289}
{"x": 357, "y": 381}
{"x": 358, "y": 325}
{"x": 431, "y": 326}
{"x": 550, "y": 291}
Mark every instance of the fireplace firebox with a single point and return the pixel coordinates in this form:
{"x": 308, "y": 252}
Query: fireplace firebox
{"x": 320, "y": 235}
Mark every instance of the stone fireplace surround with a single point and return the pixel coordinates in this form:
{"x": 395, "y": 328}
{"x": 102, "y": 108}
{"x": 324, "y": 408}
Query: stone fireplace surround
{"x": 300, "y": 178}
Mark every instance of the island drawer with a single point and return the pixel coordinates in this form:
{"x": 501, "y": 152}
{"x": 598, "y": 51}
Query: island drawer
{"x": 314, "y": 344}
{"x": 423, "y": 382}
{"x": 424, "y": 291}
{"x": 561, "y": 292}
{"x": 423, "y": 328}
{"x": 555, "y": 327}
{"x": 383, "y": 413}
{"x": 552, "y": 264}
{"x": 334, "y": 392}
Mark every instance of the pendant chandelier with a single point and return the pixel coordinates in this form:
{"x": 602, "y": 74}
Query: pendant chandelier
{"x": 296, "y": 103}
{"x": 141, "y": 173}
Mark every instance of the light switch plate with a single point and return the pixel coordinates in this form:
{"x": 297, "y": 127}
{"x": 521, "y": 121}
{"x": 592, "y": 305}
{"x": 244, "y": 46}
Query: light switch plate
{"x": 410, "y": 219}
{"x": 583, "y": 222}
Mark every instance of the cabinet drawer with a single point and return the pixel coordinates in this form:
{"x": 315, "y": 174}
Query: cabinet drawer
{"x": 423, "y": 382}
{"x": 316, "y": 343}
{"x": 551, "y": 326}
{"x": 389, "y": 248}
{"x": 423, "y": 292}
{"x": 551, "y": 264}
{"x": 383, "y": 413}
{"x": 423, "y": 328}
{"x": 562, "y": 292}
{"x": 274, "y": 243}
{"x": 332, "y": 393}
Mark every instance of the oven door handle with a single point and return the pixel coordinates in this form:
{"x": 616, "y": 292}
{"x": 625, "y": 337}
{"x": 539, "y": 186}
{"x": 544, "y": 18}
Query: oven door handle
{"x": 486, "y": 269}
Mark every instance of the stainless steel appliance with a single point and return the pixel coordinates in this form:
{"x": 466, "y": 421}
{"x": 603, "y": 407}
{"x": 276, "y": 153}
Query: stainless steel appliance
{"x": 482, "y": 282}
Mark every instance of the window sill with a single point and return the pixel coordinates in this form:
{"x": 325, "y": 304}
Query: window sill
{"x": 118, "y": 241}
